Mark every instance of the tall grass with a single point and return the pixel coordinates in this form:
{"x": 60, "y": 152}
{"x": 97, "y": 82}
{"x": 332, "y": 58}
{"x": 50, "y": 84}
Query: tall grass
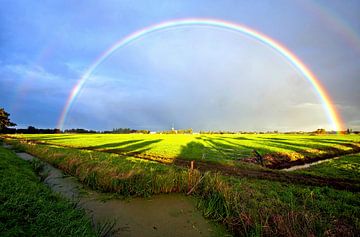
{"x": 247, "y": 207}
{"x": 29, "y": 208}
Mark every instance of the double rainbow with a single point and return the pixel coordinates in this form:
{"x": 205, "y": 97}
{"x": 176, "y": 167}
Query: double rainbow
{"x": 333, "y": 116}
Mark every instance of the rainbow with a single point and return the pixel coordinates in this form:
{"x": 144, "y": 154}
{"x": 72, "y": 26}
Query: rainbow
{"x": 333, "y": 116}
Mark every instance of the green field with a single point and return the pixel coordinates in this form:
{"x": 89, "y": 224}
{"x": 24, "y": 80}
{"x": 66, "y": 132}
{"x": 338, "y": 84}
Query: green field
{"x": 346, "y": 167}
{"x": 249, "y": 199}
{"x": 276, "y": 148}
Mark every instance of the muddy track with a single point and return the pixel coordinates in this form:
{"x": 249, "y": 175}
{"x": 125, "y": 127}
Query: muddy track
{"x": 273, "y": 175}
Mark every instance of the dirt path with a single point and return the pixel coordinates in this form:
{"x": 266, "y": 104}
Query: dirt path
{"x": 162, "y": 215}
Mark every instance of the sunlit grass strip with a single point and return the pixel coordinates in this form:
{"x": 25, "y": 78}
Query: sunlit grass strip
{"x": 247, "y": 207}
{"x": 29, "y": 208}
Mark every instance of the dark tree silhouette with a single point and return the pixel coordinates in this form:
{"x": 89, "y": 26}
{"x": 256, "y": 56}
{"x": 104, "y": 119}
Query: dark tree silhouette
{"x": 5, "y": 120}
{"x": 320, "y": 131}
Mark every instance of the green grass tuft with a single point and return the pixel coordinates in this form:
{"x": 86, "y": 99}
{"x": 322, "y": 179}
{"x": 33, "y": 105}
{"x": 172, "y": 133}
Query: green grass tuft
{"x": 29, "y": 208}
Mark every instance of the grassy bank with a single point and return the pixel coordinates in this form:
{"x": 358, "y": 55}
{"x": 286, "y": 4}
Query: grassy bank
{"x": 248, "y": 207}
{"x": 29, "y": 208}
{"x": 275, "y": 148}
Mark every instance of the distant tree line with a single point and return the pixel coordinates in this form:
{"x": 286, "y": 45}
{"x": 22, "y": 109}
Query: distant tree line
{"x": 236, "y": 132}
{"x": 180, "y": 131}
{"x": 319, "y": 131}
{"x": 114, "y": 131}
{"x": 218, "y": 132}
{"x": 79, "y": 130}
{"x": 30, "y": 130}
{"x": 127, "y": 131}
{"x": 33, "y": 130}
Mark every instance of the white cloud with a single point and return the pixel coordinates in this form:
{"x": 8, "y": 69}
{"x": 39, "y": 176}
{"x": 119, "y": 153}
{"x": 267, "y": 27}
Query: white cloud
{"x": 31, "y": 79}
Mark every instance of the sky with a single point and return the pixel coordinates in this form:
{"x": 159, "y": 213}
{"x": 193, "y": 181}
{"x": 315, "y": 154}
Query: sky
{"x": 200, "y": 77}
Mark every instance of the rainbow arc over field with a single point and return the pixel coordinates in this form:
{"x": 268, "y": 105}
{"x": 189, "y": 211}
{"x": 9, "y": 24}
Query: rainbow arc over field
{"x": 332, "y": 114}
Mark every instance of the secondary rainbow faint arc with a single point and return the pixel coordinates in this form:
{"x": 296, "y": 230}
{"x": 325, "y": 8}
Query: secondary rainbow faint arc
{"x": 333, "y": 116}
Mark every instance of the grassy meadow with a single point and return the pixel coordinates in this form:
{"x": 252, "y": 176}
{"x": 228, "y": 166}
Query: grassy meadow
{"x": 252, "y": 201}
{"x": 275, "y": 148}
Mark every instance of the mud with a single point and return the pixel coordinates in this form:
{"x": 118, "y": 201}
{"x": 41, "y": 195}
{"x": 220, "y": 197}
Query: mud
{"x": 162, "y": 215}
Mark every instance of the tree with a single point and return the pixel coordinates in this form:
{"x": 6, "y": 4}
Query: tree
{"x": 32, "y": 130}
{"x": 5, "y": 120}
{"x": 320, "y": 131}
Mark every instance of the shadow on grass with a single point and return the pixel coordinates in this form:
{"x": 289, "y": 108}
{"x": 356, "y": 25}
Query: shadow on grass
{"x": 208, "y": 149}
{"x": 331, "y": 142}
{"x": 133, "y": 146}
{"x": 193, "y": 150}
{"x": 276, "y": 152}
{"x": 111, "y": 145}
{"x": 50, "y": 138}
{"x": 302, "y": 149}
{"x": 241, "y": 138}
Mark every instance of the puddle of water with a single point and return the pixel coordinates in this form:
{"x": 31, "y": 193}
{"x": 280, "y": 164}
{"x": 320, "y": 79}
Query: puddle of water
{"x": 7, "y": 146}
{"x": 299, "y": 167}
{"x": 162, "y": 215}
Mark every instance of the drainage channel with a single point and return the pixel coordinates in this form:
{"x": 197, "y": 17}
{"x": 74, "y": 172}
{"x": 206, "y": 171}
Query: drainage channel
{"x": 307, "y": 165}
{"x": 161, "y": 215}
